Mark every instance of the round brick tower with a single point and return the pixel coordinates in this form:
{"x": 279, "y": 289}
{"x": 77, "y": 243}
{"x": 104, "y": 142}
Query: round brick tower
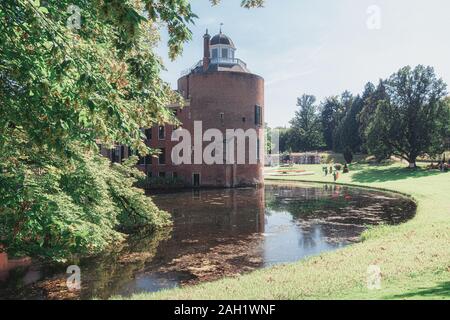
{"x": 223, "y": 94}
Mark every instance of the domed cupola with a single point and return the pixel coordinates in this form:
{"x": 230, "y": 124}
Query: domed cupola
{"x": 222, "y": 49}
{"x": 222, "y": 39}
{"x": 218, "y": 55}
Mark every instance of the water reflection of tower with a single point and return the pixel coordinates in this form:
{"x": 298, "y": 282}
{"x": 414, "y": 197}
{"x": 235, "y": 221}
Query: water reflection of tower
{"x": 219, "y": 212}
{"x": 205, "y": 218}
{"x": 247, "y": 210}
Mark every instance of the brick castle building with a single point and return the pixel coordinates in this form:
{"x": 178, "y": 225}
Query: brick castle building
{"x": 223, "y": 94}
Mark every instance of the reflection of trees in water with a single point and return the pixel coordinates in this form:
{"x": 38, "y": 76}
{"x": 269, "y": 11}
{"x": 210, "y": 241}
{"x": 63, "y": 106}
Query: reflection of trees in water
{"x": 305, "y": 201}
{"x": 346, "y": 205}
{"x": 309, "y": 237}
{"x": 100, "y": 275}
{"x": 340, "y": 213}
{"x": 109, "y": 273}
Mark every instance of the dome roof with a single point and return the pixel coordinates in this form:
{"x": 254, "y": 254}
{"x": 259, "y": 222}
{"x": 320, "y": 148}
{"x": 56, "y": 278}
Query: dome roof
{"x": 222, "y": 39}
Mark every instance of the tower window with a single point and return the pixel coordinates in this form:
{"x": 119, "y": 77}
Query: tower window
{"x": 258, "y": 116}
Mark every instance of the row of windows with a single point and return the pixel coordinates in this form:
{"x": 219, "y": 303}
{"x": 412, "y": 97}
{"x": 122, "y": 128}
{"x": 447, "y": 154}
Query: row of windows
{"x": 118, "y": 154}
{"x": 226, "y": 53}
{"x": 161, "y": 133}
{"x": 147, "y": 160}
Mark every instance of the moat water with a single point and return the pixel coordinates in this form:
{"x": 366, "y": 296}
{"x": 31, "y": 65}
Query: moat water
{"x": 217, "y": 233}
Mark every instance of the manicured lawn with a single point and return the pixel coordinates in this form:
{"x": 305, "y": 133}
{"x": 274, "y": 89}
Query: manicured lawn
{"x": 414, "y": 257}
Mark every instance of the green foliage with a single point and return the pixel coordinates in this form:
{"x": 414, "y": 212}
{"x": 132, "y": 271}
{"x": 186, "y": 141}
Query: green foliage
{"x": 344, "y": 117}
{"x": 339, "y": 124}
{"x": 245, "y": 3}
{"x": 329, "y": 110}
{"x": 99, "y": 82}
{"x": 306, "y": 131}
{"x": 371, "y": 96}
{"x": 406, "y": 115}
{"x": 61, "y": 91}
{"x": 55, "y": 208}
{"x": 348, "y": 129}
{"x": 413, "y": 120}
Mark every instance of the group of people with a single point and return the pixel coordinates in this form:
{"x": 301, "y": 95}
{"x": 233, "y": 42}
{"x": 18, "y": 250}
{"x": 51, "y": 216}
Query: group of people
{"x": 332, "y": 171}
{"x": 441, "y": 166}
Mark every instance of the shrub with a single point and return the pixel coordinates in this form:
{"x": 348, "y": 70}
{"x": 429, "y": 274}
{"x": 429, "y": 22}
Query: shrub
{"x": 80, "y": 207}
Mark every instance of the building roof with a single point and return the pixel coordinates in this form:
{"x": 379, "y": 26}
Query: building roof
{"x": 222, "y": 39}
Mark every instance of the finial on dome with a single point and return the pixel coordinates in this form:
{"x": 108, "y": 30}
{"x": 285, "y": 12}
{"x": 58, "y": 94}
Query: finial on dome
{"x": 220, "y": 29}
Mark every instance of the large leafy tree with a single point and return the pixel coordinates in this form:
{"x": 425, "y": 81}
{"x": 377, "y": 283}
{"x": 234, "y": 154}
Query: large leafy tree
{"x": 413, "y": 120}
{"x": 64, "y": 89}
{"x": 347, "y": 134}
{"x": 345, "y": 104}
{"x": 306, "y": 126}
{"x": 371, "y": 97}
{"x": 329, "y": 109}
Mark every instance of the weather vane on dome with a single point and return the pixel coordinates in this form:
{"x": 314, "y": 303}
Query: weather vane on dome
{"x": 220, "y": 29}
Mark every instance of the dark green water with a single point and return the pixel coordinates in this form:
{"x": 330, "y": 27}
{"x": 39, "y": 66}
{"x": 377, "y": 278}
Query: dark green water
{"x": 218, "y": 233}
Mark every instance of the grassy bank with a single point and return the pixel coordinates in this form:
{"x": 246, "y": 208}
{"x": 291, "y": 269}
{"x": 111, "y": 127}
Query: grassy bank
{"x": 414, "y": 257}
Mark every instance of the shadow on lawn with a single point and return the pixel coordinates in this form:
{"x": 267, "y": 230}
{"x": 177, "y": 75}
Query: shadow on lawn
{"x": 441, "y": 290}
{"x": 391, "y": 174}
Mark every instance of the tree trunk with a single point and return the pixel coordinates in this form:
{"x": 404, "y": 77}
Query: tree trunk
{"x": 412, "y": 162}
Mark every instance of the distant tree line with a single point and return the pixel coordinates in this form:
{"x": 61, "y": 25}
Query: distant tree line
{"x": 406, "y": 115}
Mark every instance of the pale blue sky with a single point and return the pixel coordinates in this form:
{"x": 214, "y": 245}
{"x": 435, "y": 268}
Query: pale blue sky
{"x": 321, "y": 47}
